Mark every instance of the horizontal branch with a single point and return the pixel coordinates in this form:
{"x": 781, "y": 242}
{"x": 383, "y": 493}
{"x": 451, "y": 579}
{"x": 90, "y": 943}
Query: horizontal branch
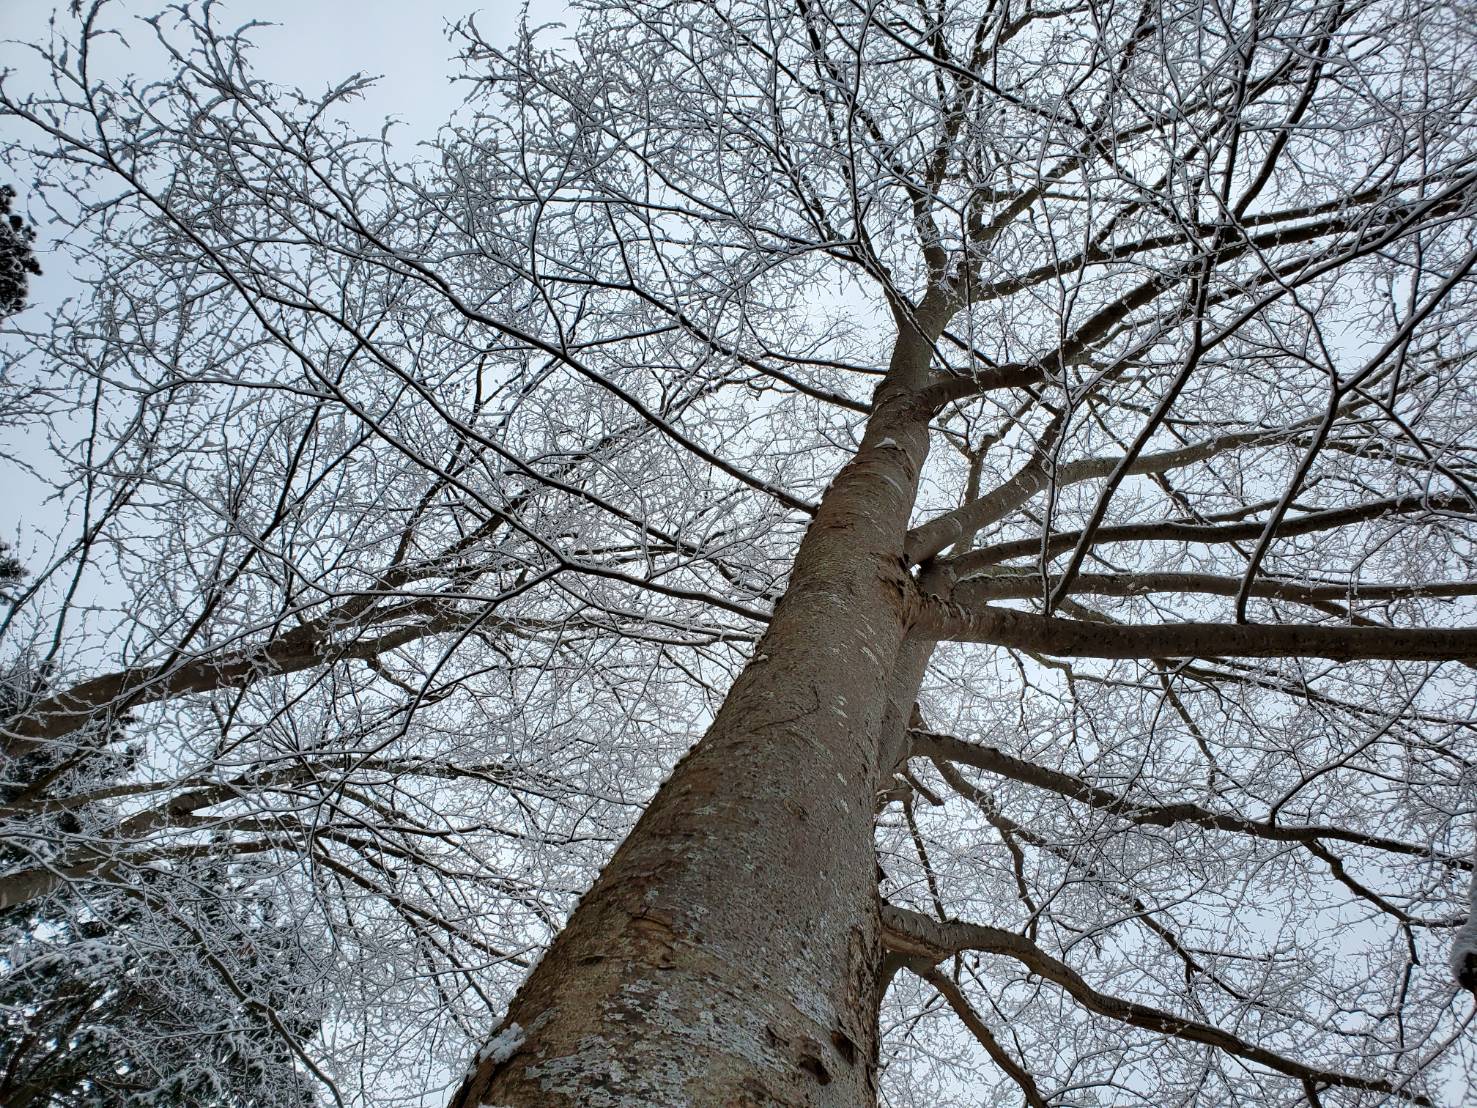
{"x": 23, "y": 886}
{"x": 1179, "y": 531}
{"x": 1010, "y": 830}
{"x": 115, "y": 693}
{"x": 915, "y": 936}
{"x": 1023, "y": 583}
{"x": 940, "y": 619}
{"x": 929, "y": 744}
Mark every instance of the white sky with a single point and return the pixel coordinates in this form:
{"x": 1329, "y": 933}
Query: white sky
{"x": 319, "y": 42}
{"x": 314, "y": 45}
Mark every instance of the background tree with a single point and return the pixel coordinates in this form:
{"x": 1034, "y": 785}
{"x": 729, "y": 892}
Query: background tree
{"x": 12, "y": 572}
{"x": 184, "y": 989}
{"x": 1029, "y": 445}
{"x": 17, "y": 256}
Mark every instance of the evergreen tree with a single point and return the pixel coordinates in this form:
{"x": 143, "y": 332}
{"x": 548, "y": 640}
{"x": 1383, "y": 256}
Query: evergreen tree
{"x": 17, "y": 257}
{"x": 104, "y": 997}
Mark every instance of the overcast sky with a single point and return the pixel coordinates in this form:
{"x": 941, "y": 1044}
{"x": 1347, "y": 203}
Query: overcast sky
{"x": 312, "y": 44}
{"x": 315, "y": 44}
{"x": 319, "y": 42}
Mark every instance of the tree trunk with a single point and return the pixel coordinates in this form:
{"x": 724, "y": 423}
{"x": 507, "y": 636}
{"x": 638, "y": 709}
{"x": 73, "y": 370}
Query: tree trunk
{"x": 730, "y": 952}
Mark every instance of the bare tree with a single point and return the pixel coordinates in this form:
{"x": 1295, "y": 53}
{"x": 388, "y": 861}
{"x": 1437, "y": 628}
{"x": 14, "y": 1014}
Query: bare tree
{"x": 1005, "y": 470}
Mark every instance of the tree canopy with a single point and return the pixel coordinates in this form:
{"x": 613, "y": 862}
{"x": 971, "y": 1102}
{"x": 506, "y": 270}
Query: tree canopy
{"x": 1052, "y": 422}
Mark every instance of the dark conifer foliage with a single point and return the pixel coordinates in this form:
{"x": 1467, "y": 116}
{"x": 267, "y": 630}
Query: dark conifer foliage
{"x": 17, "y": 255}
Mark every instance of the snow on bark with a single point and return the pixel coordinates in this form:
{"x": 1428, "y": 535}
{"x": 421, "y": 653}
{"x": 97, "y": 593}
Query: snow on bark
{"x": 502, "y": 1046}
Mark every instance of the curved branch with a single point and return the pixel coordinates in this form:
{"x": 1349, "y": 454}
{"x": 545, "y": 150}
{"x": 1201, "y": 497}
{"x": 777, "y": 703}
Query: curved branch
{"x": 916, "y": 936}
{"x": 928, "y": 539}
{"x": 956, "y": 999}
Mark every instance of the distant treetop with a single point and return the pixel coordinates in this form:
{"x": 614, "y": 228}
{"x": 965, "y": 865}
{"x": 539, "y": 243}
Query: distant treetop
{"x": 17, "y": 259}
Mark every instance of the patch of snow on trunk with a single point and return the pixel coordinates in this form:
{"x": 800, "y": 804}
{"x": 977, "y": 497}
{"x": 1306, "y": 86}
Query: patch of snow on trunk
{"x": 502, "y": 1046}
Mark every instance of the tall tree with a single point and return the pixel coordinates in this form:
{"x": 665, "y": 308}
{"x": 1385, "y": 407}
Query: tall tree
{"x": 1005, "y": 470}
